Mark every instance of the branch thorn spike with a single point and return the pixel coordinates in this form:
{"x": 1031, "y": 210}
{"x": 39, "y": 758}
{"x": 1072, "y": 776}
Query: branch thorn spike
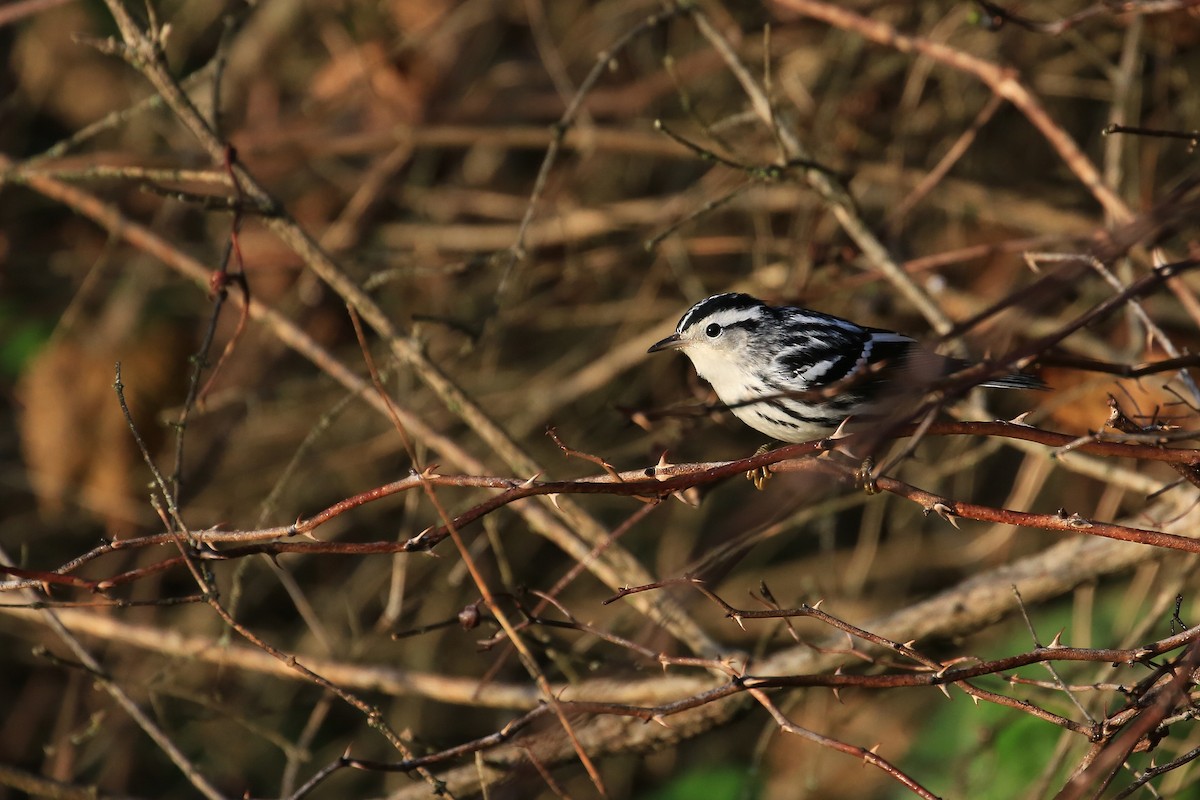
{"x": 661, "y": 465}
{"x": 947, "y": 513}
{"x": 685, "y": 496}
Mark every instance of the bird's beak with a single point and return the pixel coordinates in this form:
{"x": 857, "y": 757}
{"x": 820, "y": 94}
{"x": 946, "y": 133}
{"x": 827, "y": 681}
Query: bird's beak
{"x": 672, "y": 342}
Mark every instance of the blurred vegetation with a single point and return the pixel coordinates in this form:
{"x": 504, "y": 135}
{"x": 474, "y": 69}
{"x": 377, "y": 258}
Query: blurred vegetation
{"x": 406, "y": 138}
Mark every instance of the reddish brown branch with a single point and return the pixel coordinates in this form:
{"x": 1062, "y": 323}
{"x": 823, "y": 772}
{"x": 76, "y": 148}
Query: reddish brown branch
{"x": 1093, "y": 780}
{"x": 1060, "y": 521}
{"x": 666, "y": 479}
{"x": 867, "y": 756}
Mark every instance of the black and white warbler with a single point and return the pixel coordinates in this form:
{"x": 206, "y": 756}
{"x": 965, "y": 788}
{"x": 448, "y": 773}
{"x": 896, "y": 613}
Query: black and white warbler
{"x": 796, "y": 374}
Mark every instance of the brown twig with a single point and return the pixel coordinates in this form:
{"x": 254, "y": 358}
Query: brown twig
{"x": 1001, "y": 80}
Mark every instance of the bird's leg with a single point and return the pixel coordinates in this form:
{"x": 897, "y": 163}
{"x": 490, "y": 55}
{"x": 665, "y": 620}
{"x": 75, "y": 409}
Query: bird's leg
{"x": 760, "y": 475}
{"x": 864, "y": 479}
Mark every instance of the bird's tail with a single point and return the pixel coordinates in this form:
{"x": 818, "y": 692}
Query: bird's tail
{"x": 1018, "y": 380}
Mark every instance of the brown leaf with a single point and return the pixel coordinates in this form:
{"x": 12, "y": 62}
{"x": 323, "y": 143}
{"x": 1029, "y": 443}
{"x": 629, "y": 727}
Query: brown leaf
{"x": 77, "y": 446}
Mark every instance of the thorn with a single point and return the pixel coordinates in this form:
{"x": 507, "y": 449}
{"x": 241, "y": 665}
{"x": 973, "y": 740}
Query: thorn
{"x": 875, "y": 749}
{"x": 1076, "y": 521}
{"x": 429, "y": 471}
{"x": 641, "y": 420}
{"x": 738, "y": 619}
{"x": 945, "y": 512}
{"x": 1056, "y": 641}
{"x": 976, "y": 699}
{"x": 689, "y": 496}
{"x": 840, "y": 433}
{"x": 945, "y": 691}
{"x": 817, "y": 605}
{"x": 1019, "y": 419}
{"x": 837, "y": 694}
{"x": 659, "y": 719}
{"x": 530, "y": 480}
{"x": 661, "y": 465}
{"x": 554, "y": 499}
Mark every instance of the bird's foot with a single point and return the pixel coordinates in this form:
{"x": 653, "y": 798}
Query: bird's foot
{"x": 760, "y": 475}
{"x": 864, "y": 478}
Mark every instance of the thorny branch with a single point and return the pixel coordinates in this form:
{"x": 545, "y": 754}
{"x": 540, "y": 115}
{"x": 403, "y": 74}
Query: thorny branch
{"x": 709, "y": 677}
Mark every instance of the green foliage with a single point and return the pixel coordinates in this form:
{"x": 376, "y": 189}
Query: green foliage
{"x": 982, "y": 751}
{"x": 986, "y": 751}
{"x": 20, "y": 338}
{"x": 728, "y": 782}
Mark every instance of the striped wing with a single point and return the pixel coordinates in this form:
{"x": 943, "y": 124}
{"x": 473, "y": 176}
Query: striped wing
{"x": 827, "y": 351}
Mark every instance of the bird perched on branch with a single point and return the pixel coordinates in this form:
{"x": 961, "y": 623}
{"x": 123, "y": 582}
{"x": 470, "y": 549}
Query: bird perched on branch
{"x": 796, "y": 374}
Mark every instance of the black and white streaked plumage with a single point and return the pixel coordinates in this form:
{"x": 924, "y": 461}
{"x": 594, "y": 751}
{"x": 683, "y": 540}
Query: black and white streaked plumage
{"x": 787, "y": 355}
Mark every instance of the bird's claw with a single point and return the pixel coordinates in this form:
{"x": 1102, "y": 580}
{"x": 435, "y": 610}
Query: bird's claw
{"x": 865, "y": 479}
{"x": 760, "y": 475}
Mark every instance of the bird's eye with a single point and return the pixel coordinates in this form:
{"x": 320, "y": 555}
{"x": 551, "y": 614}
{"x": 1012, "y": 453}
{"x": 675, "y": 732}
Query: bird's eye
{"x": 713, "y": 330}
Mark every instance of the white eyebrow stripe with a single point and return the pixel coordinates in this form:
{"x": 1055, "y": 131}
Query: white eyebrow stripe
{"x": 717, "y": 304}
{"x": 726, "y": 317}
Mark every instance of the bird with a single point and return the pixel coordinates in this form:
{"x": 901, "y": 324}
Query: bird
{"x": 796, "y": 374}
